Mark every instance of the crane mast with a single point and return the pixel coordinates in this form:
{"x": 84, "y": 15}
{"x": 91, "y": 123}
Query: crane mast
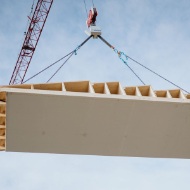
{"x": 34, "y": 31}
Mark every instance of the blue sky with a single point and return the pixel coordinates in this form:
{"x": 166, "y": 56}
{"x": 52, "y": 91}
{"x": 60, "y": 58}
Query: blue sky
{"x": 156, "y": 33}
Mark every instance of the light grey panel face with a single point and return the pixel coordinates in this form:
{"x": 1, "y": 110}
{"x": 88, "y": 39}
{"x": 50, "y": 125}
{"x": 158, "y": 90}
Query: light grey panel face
{"x": 97, "y": 126}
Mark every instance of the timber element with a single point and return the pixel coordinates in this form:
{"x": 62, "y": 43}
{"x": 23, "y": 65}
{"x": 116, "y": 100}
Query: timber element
{"x": 2, "y": 120}
{"x": 95, "y": 119}
{"x": 100, "y": 88}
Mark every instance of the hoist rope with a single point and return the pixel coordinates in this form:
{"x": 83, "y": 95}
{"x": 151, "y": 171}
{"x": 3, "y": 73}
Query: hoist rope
{"x": 69, "y": 54}
{"x": 158, "y": 74}
{"x": 127, "y": 57}
{"x": 61, "y": 66}
{"x": 135, "y": 74}
{"x": 120, "y": 54}
{"x": 85, "y": 8}
{"x": 93, "y": 3}
{"x": 46, "y": 68}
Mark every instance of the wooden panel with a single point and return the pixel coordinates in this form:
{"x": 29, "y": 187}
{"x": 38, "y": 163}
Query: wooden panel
{"x": 48, "y": 86}
{"x": 146, "y": 91}
{"x": 2, "y": 148}
{"x": 3, "y": 96}
{"x": 2, "y": 132}
{"x": 101, "y": 88}
{"x": 2, "y": 126}
{"x": 22, "y": 86}
{"x": 2, "y": 119}
{"x": 115, "y": 88}
{"x": 2, "y": 107}
{"x": 2, "y": 142}
{"x": 77, "y": 86}
{"x": 163, "y": 94}
{"x": 174, "y": 93}
{"x": 101, "y": 125}
{"x": 132, "y": 91}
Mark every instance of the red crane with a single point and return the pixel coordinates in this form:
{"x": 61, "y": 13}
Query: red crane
{"x": 35, "y": 28}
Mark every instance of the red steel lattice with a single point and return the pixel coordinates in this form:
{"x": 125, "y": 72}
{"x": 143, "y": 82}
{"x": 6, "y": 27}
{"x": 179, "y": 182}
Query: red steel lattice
{"x": 35, "y": 28}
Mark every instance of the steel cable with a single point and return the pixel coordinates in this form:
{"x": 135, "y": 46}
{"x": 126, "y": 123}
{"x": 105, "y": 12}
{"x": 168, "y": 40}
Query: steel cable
{"x": 119, "y": 53}
{"x": 71, "y": 53}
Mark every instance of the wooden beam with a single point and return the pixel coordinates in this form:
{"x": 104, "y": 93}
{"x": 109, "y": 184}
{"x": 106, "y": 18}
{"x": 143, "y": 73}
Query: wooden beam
{"x": 81, "y": 86}
{"x": 48, "y": 86}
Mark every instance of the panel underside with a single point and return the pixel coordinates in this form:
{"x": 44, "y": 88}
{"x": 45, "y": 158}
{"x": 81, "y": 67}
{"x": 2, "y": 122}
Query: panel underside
{"x": 69, "y": 124}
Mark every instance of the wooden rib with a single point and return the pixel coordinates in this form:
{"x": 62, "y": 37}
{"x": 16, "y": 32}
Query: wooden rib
{"x": 182, "y": 95}
{"x": 81, "y": 86}
{"x": 121, "y": 91}
{"x": 90, "y": 88}
{"x": 49, "y": 86}
{"x": 63, "y": 87}
{"x": 188, "y": 96}
{"x": 32, "y": 87}
{"x": 151, "y": 92}
{"x": 106, "y": 89}
{"x": 2, "y": 120}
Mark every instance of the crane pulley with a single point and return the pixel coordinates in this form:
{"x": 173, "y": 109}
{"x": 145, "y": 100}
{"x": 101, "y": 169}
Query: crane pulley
{"x": 94, "y": 30}
{"x": 91, "y": 21}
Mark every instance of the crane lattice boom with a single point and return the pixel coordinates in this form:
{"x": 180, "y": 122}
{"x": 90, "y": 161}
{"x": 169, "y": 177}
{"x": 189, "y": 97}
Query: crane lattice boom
{"x": 35, "y": 28}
